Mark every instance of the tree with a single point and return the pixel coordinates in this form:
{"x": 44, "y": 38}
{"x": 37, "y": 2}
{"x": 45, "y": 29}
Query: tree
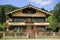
{"x": 56, "y": 13}
{"x": 3, "y": 10}
{"x": 9, "y": 8}
{"x": 44, "y": 9}
{"x": 3, "y": 26}
{"x": 52, "y": 22}
{"x": 55, "y": 18}
{"x": 2, "y": 15}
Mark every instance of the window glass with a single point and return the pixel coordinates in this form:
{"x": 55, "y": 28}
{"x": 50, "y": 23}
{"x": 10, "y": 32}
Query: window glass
{"x": 40, "y": 29}
{"x": 38, "y": 19}
{"x": 18, "y": 19}
{"x": 15, "y": 29}
{"x": 20, "y": 28}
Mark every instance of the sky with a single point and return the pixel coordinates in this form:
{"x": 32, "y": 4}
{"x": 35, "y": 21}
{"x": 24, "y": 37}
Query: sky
{"x": 46, "y": 4}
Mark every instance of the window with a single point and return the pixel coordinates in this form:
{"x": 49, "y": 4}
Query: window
{"x": 15, "y": 29}
{"x": 18, "y": 28}
{"x": 38, "y": 19}
{"x": 40, "y": 29}
{"x": 21, "y": 28}
{"x": 18, "y": 19}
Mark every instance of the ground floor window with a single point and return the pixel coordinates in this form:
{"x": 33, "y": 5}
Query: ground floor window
{"x": 17, "y": 28}
{"x": 41, "y": 28}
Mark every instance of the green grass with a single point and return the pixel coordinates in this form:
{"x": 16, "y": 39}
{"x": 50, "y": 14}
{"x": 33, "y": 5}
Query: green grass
{"x": 48, "y": 37}
{"x": 30, "y": 38}
{"x": 11, "y": 39}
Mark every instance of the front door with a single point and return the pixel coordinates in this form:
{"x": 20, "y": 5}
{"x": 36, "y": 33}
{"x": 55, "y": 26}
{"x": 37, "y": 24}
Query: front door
{"x": 31, "y": 31}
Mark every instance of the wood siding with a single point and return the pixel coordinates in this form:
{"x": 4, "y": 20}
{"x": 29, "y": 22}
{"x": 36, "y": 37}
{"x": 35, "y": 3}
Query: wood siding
{"x": 38, "y": 14}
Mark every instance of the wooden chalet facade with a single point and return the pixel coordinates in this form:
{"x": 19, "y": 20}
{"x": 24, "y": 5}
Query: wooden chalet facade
{"x": 29, "y": 19}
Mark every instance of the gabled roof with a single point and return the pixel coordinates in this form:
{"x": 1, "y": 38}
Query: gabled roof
{"x": 32, "y": 7}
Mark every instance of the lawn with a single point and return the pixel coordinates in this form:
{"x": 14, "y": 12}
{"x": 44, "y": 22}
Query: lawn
{"x": 38, "y": 38}
{"x": 12, "y": 39}
{"x": 34, "y": 39}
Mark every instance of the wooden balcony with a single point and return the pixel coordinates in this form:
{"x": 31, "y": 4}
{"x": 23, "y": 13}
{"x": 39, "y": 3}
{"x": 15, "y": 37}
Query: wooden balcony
{"x": 23, "y": 23}
{"x": 30, "y": 15}
{"x": 29, "y": 21}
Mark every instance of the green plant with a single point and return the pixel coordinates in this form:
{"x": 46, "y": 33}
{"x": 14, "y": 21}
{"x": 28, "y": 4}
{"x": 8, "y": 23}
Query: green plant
{"x": 3, "y": 26}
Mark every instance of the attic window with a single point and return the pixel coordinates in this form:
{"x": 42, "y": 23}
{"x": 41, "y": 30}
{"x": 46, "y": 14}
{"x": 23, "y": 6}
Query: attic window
{"x": 29, "y": 10}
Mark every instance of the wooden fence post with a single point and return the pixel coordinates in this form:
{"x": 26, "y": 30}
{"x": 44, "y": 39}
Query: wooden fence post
{"x": 27, "y": 35}
{"x": 53, "y": 33}
{"x": 35, "y": 35}
{"x": 15, "y": 35}
{"x": 3, "y": 34}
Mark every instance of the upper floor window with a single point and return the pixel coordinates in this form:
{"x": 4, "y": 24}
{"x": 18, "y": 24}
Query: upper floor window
{"x": 38, "y": 19}
{"x": 18, "y": 19}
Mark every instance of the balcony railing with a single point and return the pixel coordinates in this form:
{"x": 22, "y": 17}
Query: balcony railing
{"x": 27, "y": 23}
{"x": 22, "y": 23}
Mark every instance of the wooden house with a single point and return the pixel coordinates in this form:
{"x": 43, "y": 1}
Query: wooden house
{"x": 28, "y": 19}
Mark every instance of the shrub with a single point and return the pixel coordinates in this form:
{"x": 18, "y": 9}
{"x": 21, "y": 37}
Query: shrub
{"x": 1, "y": 35}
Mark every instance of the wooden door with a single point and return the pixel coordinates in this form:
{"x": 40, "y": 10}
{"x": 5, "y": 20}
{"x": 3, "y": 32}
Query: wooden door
{"x": 31, "y": 31}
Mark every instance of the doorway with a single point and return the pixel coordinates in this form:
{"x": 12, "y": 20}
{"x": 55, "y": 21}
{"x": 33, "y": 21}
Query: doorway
{"x": 31, "y": 31}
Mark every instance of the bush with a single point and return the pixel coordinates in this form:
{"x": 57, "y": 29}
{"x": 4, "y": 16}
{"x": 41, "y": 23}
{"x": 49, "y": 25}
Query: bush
{"x": 1, "y": 35}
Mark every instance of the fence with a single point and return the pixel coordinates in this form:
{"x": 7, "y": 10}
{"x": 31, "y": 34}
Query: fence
{"x": 24, "y": 35}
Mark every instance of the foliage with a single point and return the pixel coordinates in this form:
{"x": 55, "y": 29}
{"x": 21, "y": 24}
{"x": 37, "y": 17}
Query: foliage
{"x": 2, "y": 15}
{"x": 1, "y": 35}
{"x": 8, "y": 8}
{"x": 3, "y": 26}
{"x": 44, "y": 9}
{"x": 52, "y": 23}
{"x": 56, "y": 13}
{"x": 55, "y": 18}
{"x": 3, "y": 10}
